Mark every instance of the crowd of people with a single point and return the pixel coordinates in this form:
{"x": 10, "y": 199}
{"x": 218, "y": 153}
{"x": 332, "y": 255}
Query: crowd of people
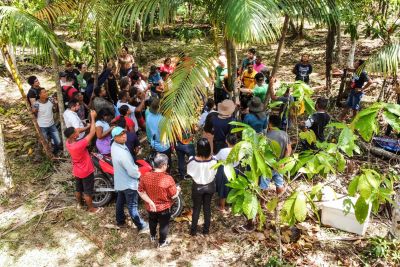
{"x": 110, "y": 114}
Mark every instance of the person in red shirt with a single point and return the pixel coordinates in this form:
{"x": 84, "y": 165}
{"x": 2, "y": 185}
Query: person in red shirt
{"x": 124, "y": 112}
{"x": 158, "y": 190}
{"x": 82, "y": 165}
{"x": 167, "y": 66}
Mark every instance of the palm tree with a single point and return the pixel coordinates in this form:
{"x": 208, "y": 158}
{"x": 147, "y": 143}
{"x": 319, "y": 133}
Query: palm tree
{"x": 19, "y": 28}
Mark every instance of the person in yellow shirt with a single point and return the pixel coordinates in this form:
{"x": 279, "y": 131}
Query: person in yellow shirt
{"x": 248, "y": 84}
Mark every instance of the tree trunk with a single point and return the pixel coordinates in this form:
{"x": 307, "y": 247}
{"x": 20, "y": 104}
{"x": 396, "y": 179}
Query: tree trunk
{"x": 232, "y": 65}
{"x": 54, "y": 60}
{"x": 280, "y": 46}
{"x": 342, "y": 87}
{"x": 339, "y": 45}
{"x": 96, "y": 59}
{"x": 352, "y": 52}
{"x": 278, "y": 53}
{"x": 330, "y": 43}
{"x": 4, "y": 172}
{"x": 17, "y": 80}
{"x": 301, "y": 28}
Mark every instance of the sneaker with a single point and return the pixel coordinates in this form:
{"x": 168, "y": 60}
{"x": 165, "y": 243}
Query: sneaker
{"x": 165, "y": 244}
{"x": 144, "y": 230}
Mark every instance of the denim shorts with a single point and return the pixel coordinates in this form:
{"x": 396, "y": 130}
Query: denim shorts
{"x": 276, "y": 177}
{"x": 354, "y": 99}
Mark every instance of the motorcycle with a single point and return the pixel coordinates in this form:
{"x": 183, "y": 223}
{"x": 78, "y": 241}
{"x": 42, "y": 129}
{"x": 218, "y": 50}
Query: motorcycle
{"x": 104, "y": 182}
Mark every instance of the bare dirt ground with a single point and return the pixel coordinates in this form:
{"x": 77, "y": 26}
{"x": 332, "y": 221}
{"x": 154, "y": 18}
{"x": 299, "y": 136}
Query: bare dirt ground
{"x": 40, "y": 225}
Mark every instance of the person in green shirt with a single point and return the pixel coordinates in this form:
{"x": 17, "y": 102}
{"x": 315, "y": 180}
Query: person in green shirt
{"x": 220, "y": 91}
{"x": 81, "y": 81}
{"x": 261, "y": 88}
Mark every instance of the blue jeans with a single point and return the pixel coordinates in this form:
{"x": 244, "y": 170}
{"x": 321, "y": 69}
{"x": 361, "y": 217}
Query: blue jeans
{"x": 131, "y": 199}
{"x": 354, "y": 99}
{"x": 276, "y": 177}
{"x": 52, "y": 132}
{"x": 181, "y": 151}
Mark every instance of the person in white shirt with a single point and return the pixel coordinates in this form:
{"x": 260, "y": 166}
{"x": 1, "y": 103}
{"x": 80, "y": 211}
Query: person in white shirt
{"x": 124, "y": 98}
{"x": 209, "y": 107}
{"x": 72, "y": 119}
{"x": 43, "y": 108}
{"x": 203, "y": 187}
{"x": 220, "y": 178}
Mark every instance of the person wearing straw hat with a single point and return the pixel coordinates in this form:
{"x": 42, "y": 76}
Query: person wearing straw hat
{"x": 218, "y": 124}
{"x": 257, "y": 117}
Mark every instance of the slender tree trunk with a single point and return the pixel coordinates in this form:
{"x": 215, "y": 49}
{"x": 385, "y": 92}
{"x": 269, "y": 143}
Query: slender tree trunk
{"x": 352, "y": 52}
{"x": 301, "y": 28}
{"x": 280, "y": 46}
{"x": 330, "y": 43}
{"x": 96, "y": 59}
{"x": 54, "y": 60}
{"x": 278, "y": 53}
{"x": 339, "y": 45}
{"x": 17, "y": 80}
{"x": 232, "y": 65}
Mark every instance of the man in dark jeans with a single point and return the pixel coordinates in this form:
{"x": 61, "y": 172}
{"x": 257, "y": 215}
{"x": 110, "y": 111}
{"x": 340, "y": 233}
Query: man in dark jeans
{"x": 184, "y": 147}
{"x": 126, "y": 180}
{"x": 158, "y": 190}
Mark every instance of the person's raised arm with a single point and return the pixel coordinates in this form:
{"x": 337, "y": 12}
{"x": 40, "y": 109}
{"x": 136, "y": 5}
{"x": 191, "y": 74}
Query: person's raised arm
{"x": 100, "y": 134}
{"x": 92, "y": 131}
{"x": 271, "y": 90}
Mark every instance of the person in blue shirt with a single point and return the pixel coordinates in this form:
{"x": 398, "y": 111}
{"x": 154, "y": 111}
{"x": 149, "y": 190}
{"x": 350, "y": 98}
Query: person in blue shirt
{"x": 126, "y": 181}
{"x": 153, "y": 119}
{"x": 257, "y": 117}
{"x": 155, "y": 81}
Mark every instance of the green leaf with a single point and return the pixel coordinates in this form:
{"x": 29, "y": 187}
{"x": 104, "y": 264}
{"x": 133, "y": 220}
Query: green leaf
{"x": 346, "y": 141}
{"x": 230, "y": 171}
{"x": 316, "y": 191}
{"x": 261, "y": 218}
{"x": 361, "y": 209}
{"x": 276, "y": 148}
{"x": 300, "y": 207}
{"x": 275, "y": 104}
{"x": 233, "y": 194}
{"x": 309, "y": 105}
{"x": 271, "y": 205}
{"x": 341, "y": 162}
{"x": 392, "y": 119}
{"x": 261, "y": 165}
{"x": 250, "y": 205}
{"x": 365, "y": 122}
{"x": 309, "y": 136}
{"x": 337, "y": 125}
{"x": 352, "y": 189}
{"x": 393, "y": 109}
{"x": 287, "y": 165}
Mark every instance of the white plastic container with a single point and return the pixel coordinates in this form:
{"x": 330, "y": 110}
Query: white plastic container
{"x": 333, "y": 215}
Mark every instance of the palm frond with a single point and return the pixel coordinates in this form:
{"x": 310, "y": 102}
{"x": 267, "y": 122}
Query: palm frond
{"x": 19, "y": 28}
{"x": 386, "y": 61}
{"x": 185, "y": 89}
{"x": 246, "y": 21}
{"x": 150, "y": 12}
{"x": 53, "y": 11}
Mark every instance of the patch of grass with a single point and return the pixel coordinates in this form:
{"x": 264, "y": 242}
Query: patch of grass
{"x": 135, "y": 261}
{"x": 45, "y": 167}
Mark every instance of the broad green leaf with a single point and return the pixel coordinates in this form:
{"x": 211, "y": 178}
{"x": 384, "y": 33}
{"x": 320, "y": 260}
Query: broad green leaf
{"x": 240, "y": 124}
{"x": 237, "y": 206}
{"x": 275, "y": 104}
{"x": 316, "y": 191}
{"x": 250, "y": 205}
{"x": 361, "y": 209}
{"x": 367, "y": 125}
{"x": 286, "y": 165}
{"x": 309, "y": 105}
{"x": 392, "y": 119}
{"x": 271, "y": 205}
{"x": 352, "y": 189}
{"x": 233, "y": 194}
{"x": 261, "y": 217}
{"x": 393, "y": 108}
{"x": 341, "y": 162}
{"x": 261, "y": 165}
{"x": 229, "y": 171}
{"x": 346, "y": 141}
{"x": 237, "y": 129}
{"x": 337, "y": 125}
{"x": 300, "y": 207}
{"x": 364, "y": 187}
{"x": 309, "y": 136}
{"x": 276, "y": 148}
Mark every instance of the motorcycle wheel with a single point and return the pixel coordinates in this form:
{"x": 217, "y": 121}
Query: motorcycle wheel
{"x": 177, "y": 207}
{"x": 102, "y": 198}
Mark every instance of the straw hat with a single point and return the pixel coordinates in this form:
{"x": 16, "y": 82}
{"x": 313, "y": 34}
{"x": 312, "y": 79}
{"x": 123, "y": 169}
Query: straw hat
{"x": 226, "y": 107}
{"x": 255, "y": 105}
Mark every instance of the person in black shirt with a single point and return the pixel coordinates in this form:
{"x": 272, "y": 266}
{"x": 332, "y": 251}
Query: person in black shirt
{"x": 360, "y": 77}
{"x": 318, "y": 121}
{"x": 303, "y": 69}
{"x": 71, "y": 72}
{"x": 33, "y": 93}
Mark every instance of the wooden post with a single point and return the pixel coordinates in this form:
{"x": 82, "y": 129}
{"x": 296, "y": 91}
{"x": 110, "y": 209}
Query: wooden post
{"x": 330, "y": 44}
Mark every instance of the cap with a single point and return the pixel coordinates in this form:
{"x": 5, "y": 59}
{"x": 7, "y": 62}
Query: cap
{"x": 117, "y": 131}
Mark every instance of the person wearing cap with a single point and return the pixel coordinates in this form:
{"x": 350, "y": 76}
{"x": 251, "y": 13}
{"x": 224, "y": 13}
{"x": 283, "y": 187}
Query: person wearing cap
{"x": 153, "y": 119}
{"x": 126, "y": 181}
{"x": 257, "y": 117}
{"x": 82, "y": 165}
{"x": 217, "y": 124}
